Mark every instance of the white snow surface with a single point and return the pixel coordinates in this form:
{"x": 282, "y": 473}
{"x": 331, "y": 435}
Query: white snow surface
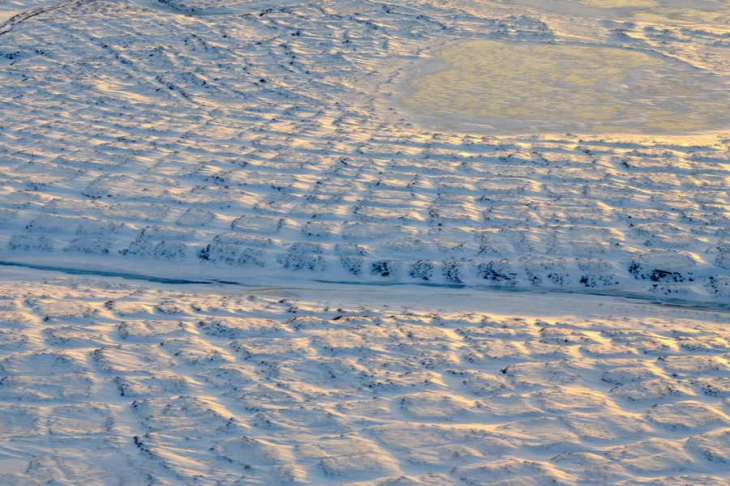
{"x": 249, "y": 140}
{"x": 104, "y": 381}
{"x": 231, "y": 255}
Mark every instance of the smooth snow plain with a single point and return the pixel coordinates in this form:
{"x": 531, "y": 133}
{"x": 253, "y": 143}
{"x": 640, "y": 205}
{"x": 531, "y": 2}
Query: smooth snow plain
{"x": 322, "y": 284}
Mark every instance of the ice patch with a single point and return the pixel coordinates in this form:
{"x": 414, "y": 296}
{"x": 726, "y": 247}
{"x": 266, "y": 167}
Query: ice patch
{"x": 500, "y": 87}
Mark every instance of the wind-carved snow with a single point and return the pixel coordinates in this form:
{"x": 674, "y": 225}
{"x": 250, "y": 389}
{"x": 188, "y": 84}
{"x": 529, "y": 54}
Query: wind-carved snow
{"x": 263, "y": 142}
{"x": 104, "y": 382}
{"x": 236, "y": 141}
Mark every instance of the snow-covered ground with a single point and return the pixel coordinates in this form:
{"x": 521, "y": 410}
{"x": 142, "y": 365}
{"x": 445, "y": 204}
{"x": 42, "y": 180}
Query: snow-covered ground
{"x": 335, "y": 271}
{"x": 114, "y": 382}
{"x": 227, "y": 140}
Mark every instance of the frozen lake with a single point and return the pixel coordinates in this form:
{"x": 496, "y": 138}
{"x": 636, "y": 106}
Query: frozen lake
{"x": 507, "y": 87}
{"x": 705, "y": 11}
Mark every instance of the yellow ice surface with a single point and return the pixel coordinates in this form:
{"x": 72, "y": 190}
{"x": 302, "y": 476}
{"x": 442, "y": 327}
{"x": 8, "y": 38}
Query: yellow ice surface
{"x": 619, "y": 3}
{"x": 716, "y": 20}
{"x": 551, "y": 87}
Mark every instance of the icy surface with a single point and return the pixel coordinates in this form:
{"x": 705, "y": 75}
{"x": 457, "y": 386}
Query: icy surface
{"x": 105, "y": 382}
{"x": 240, "y": 140}
{"x": 513, "y": 87}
